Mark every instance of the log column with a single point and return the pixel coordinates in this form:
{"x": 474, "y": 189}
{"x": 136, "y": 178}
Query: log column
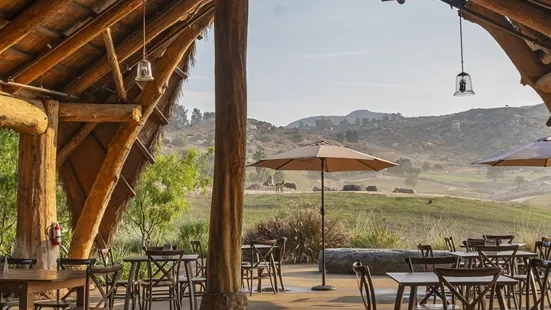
{"x": 224, "y": 257}
{"x": 36, "y": 193}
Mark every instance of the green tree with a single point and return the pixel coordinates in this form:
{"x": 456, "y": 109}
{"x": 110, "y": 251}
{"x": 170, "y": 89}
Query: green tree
{"x": 339, "y": 137}
{"x": 301, "y": 124}
{"x": 365, "y": 121}
{"x": 412, "y": 179}
{"x": 257, "y": 156}
{"x": 196, "y": 116}
{"x": 494, "y": 173}
{"x": 357, "y": 122}
{"x": 161, "y": 194}
{"x": 9, "y": 141}
{"x": 426, "y": 166}
{"x": 351, "y": 136}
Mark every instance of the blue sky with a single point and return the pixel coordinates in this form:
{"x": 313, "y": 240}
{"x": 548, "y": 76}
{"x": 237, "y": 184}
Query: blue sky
{"x": 326, "y": 57}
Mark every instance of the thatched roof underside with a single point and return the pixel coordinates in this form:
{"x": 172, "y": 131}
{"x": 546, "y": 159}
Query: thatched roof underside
{"x": 79, "y": 171}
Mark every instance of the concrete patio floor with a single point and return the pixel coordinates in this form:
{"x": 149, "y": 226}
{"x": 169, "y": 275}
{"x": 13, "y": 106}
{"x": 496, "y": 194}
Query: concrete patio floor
{"x": 298, "y": 281}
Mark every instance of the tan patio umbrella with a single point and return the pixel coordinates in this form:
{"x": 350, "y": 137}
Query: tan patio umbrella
{"x": 324, "y": 158}
{"x": 535, "y": 154}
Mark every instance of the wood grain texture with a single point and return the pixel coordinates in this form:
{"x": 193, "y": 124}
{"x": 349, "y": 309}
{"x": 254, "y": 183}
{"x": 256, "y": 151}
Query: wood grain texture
{"x": 38, "y": 13}
{"x": 115, "y": 66}
{"x": 21, "y": 115}
{"x": 133, "y": 44}
{"x": 520, "y": 54}
{"x": 76, "y": 41}
{"x": 108, "y": 176}
{"x": 226, "y": 216}
{"x": 99, "y": 113}
{"x": 36, "y": 201}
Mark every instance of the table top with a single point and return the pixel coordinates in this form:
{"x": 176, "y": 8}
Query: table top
{"x": 36, "y": 275}
{"x": 493, "y": 254}
{"x": 430, "y": 278}
{"x": 520, "y": 244}
{"x": 143, "y": 258}
{"x": 258, "y": 246}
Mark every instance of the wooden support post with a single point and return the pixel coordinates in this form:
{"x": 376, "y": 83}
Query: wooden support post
{"x": 21, "y": 116}
{"x": 131, "y": 45}
{"x": 38, "y": 13}
{"x": 76, "y": 40}
{"x": 110, "y": 171}
{"x": 99, "y": 113}
{"x": 36, "y": 195}
{"x": 115, "y": 66}
{"x": 75, "y": 141}
{"x": 161, "y": 117}
{"x": 226, "y": 215}
{"x": 521, "y": 55}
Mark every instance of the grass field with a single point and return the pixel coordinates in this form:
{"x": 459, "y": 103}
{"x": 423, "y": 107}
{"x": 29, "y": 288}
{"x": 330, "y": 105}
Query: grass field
{"x": 410, "y": 217}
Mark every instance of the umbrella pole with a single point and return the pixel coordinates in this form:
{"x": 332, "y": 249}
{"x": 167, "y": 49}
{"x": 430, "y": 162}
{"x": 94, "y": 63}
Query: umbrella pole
{"x": 323, "y": 286}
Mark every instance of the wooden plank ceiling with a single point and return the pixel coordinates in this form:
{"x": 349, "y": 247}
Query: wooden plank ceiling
{"x": 88, "y": 49}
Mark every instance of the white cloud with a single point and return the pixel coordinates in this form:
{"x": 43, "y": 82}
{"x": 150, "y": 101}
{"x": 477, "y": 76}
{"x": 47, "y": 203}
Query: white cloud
{"x": 334, "y": 55}
{"x": 201, "y": 77}
{"x": 384, "y": 85}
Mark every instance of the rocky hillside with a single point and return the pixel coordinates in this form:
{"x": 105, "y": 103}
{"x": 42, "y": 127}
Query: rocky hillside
{"x": 453, "y": 140}
{"x": 350, "y": 118}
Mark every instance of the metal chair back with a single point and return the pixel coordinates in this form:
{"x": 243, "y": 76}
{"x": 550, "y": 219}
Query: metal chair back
{"x": 478, "y": 291}
{"x": 450, "y": 244}
{"x": 104, "y": 279}
{"x": 200, "y": 266}
{"x": 471, "y": 244}
{"x": 365, "y": 284}
{"x": 106, "y": 256}
{"x": 425, "y": 250}
{"x": 504, "y": 238}
{"x": 166, "y": 265}
{"x": 431, "y": 263}
{"x": 506, "y": 261}
{"x": 538, "y": 281}
{"x": 543, "y": 248}
{"x": 21, "y": 263}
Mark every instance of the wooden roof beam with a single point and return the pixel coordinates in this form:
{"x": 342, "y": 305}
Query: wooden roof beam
{"x": 146, "y": 153}
{"x": 38, "y": 13}
{"x": 521, "y": 12}
{"x": 22, "y": 116}
{"x": 99, "y": 113}
{"x": 179, "y": 11}
{"x": 115, "y": 66}
{"x": 110, "y": 171}
{"x": 76, "y": 41}
{"x": 521, "y": 55}
{"x": 161, "y": 116}
{"x": 73, "y": 144}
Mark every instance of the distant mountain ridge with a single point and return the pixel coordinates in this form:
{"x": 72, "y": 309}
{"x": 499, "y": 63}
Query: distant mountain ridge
{"x": 350, "y": 117}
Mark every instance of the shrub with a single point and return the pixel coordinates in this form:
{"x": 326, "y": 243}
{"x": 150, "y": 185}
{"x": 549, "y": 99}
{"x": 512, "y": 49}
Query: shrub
{"x": 370, "y": 233}
{"x": 301, "y": 225}
{"x": 192, "y": 231}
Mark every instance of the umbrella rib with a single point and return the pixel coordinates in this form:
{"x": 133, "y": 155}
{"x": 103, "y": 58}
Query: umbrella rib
{"x": 290, "y": 160}
{"x": 366, "y": 165}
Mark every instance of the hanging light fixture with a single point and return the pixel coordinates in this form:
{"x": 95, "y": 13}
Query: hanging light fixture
{"x": 144, "y": 73}
{"x": 463, "y": 83}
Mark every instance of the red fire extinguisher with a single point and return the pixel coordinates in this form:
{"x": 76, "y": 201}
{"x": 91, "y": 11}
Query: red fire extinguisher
{"x": 57, "y": 234}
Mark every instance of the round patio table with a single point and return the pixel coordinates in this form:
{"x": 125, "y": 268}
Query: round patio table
{"x": 136, "y": 262}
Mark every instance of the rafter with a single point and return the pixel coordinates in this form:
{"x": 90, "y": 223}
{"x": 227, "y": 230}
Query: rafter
{"x": 115, "y": 66}
{"x": 179, "y": 11}
{"x": 74, "y": 143}
{"x": 76, "y": 41}
{"x": 145, "y": 151}
{"x": 38, "y": 13}
{"x": 110, "y": 171}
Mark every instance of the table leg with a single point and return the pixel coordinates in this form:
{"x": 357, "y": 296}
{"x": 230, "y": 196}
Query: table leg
{"x": 82, "y": 297}
{"x": 129, "y": 286}
{"x": 399, "y": 297}
{"x": 501, "y": 298}
{"x": 26, "y": 301}
{"x": 192, "y": 298}
{"x": 412, "y": 297}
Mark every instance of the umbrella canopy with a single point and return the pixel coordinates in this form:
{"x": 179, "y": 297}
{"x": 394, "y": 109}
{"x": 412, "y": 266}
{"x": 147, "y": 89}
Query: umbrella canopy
{"x": 336, "y": 158}
{"x": 535, "y": 154}
{"x": 324, "y": 158}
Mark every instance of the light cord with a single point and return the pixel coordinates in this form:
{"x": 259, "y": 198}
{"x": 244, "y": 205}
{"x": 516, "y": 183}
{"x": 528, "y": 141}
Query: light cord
{"x": 144, "y": 50}
{"x": 461, "y": 37}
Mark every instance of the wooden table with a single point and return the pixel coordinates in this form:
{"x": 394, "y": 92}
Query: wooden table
{"x": 27, "y": 282}
{"x": 471, "y": 255}
{"x": 520, "y": 244}
{"x": 136, "y": 262}
{"x": 415, "y": 279}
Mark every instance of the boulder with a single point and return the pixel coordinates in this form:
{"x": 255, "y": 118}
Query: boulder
{"x": 255, "y": 186}
{"x": 380, "y": 261}
{"x": 351, "y": 188}
{"x": 372, "y": 188}
{"x": 290, "y": 185}
{"x": 404, "y": 190}
{"x": 327, "y": 189}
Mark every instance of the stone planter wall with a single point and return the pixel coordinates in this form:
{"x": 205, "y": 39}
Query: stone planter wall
{"x": 380, "y": 261}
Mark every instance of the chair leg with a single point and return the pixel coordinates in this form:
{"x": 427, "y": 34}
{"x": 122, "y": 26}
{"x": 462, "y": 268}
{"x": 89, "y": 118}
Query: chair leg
{"x": 280, "y": 278}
